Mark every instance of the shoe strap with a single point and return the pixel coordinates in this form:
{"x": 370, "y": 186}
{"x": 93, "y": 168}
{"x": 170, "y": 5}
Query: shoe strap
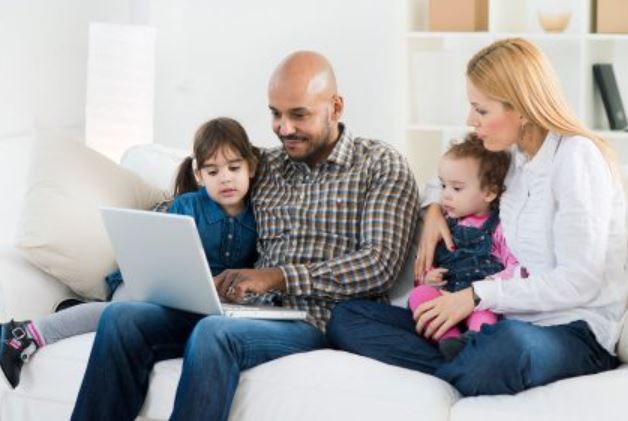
{"x": 19, "y": 333}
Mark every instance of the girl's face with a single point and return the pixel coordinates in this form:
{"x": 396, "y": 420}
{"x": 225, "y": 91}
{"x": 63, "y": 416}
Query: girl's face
{"x": 461, "y": 194}
{"x": 498, "y": 126}
{"x": 226, "y": 177}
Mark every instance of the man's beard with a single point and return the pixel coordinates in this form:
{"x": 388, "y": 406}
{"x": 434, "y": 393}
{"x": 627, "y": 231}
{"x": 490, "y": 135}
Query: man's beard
{"x": 318, "y": 147}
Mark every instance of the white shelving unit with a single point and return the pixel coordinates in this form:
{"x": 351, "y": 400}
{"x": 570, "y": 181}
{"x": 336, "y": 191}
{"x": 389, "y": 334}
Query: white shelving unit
{"x": 435, "y": 72}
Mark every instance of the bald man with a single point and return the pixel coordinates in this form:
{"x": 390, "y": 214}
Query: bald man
{"x": 334, "y": 216}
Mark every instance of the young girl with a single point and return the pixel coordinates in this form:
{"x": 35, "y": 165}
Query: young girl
{"x": 211, "y": 186}
{"x": 472, "y": 180}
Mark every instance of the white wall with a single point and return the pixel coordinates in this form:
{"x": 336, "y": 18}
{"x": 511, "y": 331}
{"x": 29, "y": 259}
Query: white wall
{"x": 43, "y": 63}
{"x": 213, "y": 58}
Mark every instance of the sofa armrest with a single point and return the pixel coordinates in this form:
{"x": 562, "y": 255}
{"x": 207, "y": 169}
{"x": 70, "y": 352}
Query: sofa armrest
{"x": 25, "y": 291}
{"x": 622, "y": 346}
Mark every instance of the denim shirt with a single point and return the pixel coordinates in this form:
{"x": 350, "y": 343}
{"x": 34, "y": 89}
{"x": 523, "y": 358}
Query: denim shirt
{"x": 229, "y": 242}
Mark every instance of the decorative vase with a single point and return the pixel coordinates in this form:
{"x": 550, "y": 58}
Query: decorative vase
{"x": 554, "y": 15}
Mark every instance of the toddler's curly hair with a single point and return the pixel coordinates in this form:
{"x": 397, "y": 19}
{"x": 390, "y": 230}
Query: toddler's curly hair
{"x": 493, "y": 166}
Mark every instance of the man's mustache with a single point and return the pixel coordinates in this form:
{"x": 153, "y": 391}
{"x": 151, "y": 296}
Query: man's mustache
{"x": 293, "y": 137}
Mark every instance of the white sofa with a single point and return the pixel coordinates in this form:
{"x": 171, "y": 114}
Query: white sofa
{"x": 321, "y": 385}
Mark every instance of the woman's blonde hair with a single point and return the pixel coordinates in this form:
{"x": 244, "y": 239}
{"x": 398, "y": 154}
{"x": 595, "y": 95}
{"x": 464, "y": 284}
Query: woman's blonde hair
{"x": 515, "y": 72}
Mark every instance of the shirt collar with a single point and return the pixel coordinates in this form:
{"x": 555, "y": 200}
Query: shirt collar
{"x": 342, "y": 154}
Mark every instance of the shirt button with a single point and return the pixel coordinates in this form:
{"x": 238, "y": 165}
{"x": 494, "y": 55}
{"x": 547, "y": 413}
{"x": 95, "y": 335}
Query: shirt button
{"x": 227, "y": 253}
{"x": 230, "y": 236}
{"x": 231, "y": 220}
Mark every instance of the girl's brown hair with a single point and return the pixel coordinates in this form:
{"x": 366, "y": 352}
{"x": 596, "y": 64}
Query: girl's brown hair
{"x": 211, "y": 137}
{"x": 492, "y": 166}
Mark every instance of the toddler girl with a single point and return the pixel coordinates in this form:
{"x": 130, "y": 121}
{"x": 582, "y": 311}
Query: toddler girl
{"x": 472, "y": 180}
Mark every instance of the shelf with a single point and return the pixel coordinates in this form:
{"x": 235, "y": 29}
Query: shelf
{"x": 612, "y": 134}
{"x": 606, "y": 37}
{"x": 435, "y": 128}
{"x": 466, "y": 35}
{"x": 435, "y": 68}
{"x": 498, "y": 35}
{"x": 529, "y": 35}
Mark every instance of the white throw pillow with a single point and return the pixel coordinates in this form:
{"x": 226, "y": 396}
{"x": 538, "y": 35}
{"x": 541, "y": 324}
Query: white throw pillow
{"x": 61, "y": 229}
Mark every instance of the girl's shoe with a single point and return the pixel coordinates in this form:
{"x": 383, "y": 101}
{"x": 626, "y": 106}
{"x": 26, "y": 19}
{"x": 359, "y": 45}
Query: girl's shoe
{"x": 16, "y": 346}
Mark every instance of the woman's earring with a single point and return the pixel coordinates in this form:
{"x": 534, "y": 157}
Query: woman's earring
{"x": 522, "y": 132}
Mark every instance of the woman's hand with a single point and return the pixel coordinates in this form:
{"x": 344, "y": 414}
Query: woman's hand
{"x": 435, "y": 229}
{"x": 435, "y": 317}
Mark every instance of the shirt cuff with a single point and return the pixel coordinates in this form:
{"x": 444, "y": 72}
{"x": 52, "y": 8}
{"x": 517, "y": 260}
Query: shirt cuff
{"x": 488, "y": 291}
{"x": 297, "y": 279}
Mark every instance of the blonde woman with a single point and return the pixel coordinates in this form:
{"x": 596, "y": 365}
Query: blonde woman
{"x": 563, "y": 216}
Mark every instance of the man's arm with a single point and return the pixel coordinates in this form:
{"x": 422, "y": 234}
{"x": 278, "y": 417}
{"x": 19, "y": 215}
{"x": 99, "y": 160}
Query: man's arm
{"x": 387, "y": 220}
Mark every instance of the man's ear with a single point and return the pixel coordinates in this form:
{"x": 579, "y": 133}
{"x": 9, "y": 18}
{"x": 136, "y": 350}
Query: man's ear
{"x": 338, "y": 106}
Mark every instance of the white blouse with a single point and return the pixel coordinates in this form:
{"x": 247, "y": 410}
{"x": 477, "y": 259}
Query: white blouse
{"x": 563, "y": 216}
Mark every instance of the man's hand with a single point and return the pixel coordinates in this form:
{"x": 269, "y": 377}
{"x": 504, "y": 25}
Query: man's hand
{"x": 435, "y": 229}
{"x": 435, "y": 317}
{"x": 435, "y": 277}
{"x": 234, "y": 284}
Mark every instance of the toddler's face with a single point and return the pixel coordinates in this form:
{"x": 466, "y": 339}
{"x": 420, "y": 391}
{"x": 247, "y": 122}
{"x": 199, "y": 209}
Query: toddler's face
{"x": 461, "y": 194}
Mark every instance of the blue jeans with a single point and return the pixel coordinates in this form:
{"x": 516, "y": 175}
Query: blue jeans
{"x": 133, "y": 336}
{"x": 505, "y": 358}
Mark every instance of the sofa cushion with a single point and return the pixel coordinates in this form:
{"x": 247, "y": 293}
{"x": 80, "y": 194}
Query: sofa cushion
{"x": 595, "y": 397}
{"x": 61, "y": 230}
{"x": 321, "y": 385}
{"x": 334, "y": 385}
{"x": 18, "y": 282}
{"x": 156, "y": 164}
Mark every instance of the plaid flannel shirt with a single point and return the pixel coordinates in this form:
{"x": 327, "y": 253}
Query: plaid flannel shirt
{"x": 340, "y": 230}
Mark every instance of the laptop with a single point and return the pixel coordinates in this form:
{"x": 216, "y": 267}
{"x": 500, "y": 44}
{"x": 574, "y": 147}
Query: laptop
{"x": 162, "y": 261}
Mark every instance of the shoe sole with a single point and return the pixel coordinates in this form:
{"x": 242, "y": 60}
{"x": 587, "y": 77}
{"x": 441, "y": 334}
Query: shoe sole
{"x": 5, "y": 380}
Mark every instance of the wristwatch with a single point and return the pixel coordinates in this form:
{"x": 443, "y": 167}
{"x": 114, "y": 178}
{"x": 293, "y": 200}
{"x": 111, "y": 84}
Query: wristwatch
{"x": 476, "y": 298}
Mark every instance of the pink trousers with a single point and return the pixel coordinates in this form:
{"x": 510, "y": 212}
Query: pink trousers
{"x": 424, "y": 293}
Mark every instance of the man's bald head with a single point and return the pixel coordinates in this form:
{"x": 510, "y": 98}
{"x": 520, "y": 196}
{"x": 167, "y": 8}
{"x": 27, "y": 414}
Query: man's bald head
{"x": 305, "y": 105}
{"x": 304, "y": 73}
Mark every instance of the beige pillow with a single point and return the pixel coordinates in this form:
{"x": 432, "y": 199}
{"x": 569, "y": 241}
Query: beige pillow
{"x": 61, "y": 230}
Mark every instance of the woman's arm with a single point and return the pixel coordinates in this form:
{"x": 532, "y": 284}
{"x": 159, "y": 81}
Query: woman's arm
{"x": 582, "y": 190}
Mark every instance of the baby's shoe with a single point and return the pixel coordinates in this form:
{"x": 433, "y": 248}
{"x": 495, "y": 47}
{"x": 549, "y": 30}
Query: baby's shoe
{"x": 16, "y": 346}
{"x": 451, "y": 347}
